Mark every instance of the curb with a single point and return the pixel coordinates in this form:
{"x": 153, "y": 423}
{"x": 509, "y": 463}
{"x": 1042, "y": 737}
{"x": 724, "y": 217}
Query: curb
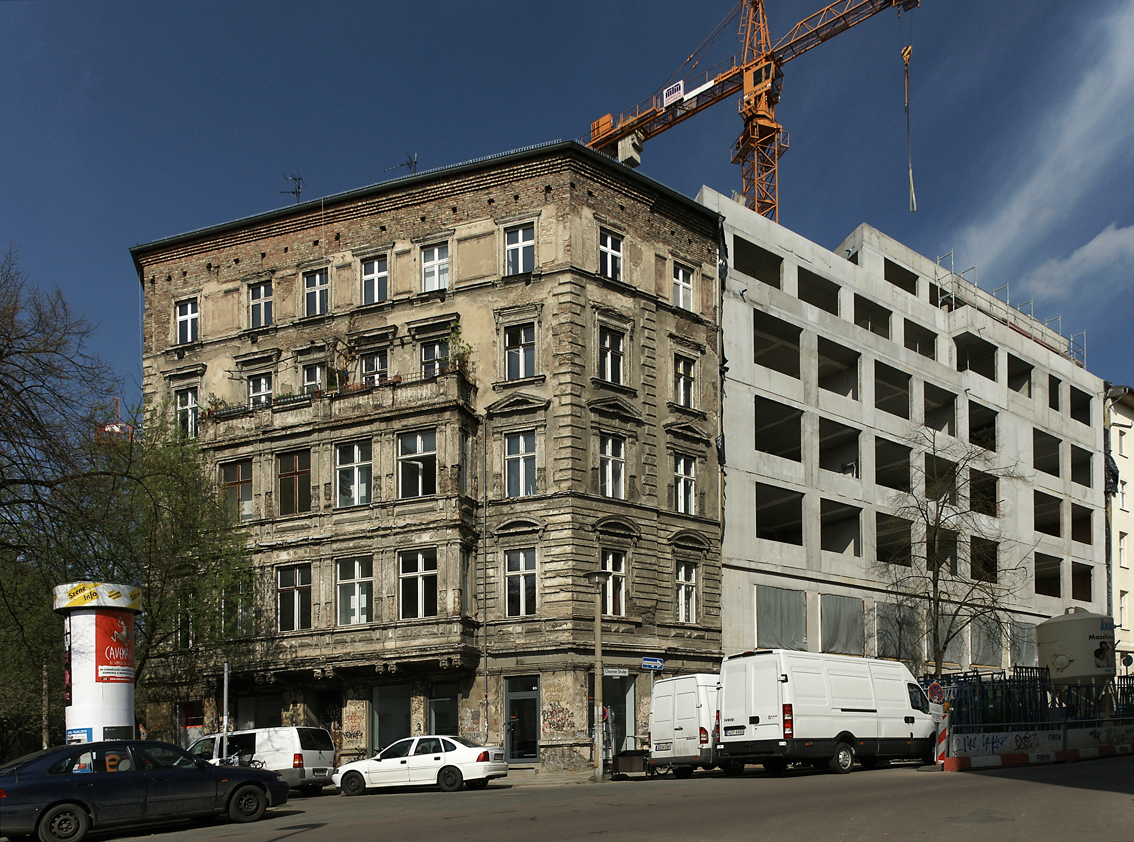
{"x": 960, "y": 764}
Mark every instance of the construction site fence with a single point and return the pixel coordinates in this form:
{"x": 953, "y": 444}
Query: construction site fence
{"x": 1026, "y": 697}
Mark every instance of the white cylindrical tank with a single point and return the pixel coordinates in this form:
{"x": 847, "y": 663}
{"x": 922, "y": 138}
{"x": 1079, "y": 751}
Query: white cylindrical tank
{"x": 98, "y": 636}
{"x": 1077, "y": 647}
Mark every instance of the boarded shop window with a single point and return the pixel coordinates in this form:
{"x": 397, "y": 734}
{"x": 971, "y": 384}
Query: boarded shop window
{"x": 781, "y": 619}
{"x": 843, "y": 623}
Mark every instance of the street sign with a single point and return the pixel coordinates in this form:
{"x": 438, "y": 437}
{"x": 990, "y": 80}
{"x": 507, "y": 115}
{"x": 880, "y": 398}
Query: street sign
{"x": 936, "y": 693}
{"x": 616, "y": 672}
{"x": 652, "y": 663}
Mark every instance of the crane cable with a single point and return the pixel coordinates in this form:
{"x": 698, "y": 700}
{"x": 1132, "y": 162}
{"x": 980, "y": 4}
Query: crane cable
{"x": 907, "y": 52}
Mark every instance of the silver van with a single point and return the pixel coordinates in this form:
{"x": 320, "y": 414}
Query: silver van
{"x": 305, "y": 757}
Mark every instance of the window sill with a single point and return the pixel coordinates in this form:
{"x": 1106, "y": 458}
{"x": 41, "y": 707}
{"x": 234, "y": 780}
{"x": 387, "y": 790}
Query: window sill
{"x": 681, "y": 409}
{"x": 502, "y": 385}
{"x": 629, "y": 391}
{"x": 315, "y": 318}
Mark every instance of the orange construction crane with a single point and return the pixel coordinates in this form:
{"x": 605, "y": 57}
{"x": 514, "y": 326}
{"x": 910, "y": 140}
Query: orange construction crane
{"x": 756, "y": 74}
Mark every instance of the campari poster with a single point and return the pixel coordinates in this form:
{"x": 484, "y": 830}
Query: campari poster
{"x": 114, "y": 646}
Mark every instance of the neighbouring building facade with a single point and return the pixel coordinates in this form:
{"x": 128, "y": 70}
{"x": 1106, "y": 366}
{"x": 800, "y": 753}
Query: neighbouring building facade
{"x": 1120, "y": 434}
{"x": 851, "y": 375}
{"x": 436, "y": 404}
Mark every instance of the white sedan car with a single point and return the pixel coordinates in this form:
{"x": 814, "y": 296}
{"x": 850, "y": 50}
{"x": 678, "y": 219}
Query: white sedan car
{"x": 447, "y": 762}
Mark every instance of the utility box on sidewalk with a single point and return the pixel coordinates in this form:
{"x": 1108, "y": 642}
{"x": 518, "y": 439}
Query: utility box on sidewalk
{"x": 633, "y": 760}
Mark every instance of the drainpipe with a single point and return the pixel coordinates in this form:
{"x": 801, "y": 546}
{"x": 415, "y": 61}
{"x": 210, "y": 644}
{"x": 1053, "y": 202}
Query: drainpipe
{"x": 484, "y": 561}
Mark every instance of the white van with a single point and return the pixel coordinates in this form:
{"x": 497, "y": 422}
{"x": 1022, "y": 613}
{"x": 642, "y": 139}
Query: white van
{"x": 305, "y": 757}
{"x": 779, "y": 706}
{"x": 683, "y": 710}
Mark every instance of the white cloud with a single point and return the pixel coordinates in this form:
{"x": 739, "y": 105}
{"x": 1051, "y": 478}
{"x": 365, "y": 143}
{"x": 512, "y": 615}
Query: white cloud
{"x": 1103, "y": 266}
{"x": 1078, "y": 143}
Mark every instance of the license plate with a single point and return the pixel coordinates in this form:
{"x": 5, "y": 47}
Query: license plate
{"x": 734, "y": 731}
{"x": 320, "y": 772}
{"x": 498, "y": 755}
{"x": 663, "y": 746}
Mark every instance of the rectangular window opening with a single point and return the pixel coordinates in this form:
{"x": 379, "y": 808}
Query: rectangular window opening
{"x": 838, "y": 369}
{"x": 776, "y": 344}
{"x": 779, "y": 514}
{"x": 871, "y": 316}
{"x": 891, "y": 390}
{"x": 756, "y": 262}
{"x": 779, "y": 429}
{"x": 838, "y": 448}
{"x": 818, "y": 291}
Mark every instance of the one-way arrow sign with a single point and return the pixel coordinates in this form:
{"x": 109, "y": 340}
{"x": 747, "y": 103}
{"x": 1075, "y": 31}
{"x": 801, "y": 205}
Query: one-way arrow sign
{"x": 652, "y": 663}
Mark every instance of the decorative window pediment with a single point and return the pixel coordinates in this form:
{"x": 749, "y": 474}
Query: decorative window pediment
{"x": 433, "y": 325}
{"x": 521, "y": 526}
{"x": 518, "y": 403}
{"x": 374, "y": 336}
{"x": 688, "y": 432}
{"x": 616, "y": 407}
{"x": 617, "y": 527}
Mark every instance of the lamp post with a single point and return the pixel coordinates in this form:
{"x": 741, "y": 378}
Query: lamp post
{"x": 600, "y": 578}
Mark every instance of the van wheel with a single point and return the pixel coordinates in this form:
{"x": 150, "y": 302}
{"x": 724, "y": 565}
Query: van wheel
{"x": 682, "y": 772}
{"x": 732, "y": 768}
{"x": 450, "y": 779}
{"x": 775, "y": 767}
{"x": 353, "y": 784}
{"x": 843, "y": 759}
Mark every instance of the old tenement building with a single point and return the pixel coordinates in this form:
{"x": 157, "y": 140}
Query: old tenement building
{"x": 437, "y": 403}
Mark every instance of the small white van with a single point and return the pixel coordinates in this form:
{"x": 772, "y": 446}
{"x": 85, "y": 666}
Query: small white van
{"x": 779, "y": 706}
{"x": 304, "y": 757}
{"x": 682, "y": 712}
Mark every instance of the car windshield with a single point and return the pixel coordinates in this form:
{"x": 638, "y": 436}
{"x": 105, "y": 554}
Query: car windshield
{"x": 9, "y": 767}
{"x": 466, "y": 742}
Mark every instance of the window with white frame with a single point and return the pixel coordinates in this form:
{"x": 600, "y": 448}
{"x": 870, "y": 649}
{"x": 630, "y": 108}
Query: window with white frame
{"x": 293, "y": 597}
{"x": 185, "y": 401}
{"x": 316, "y": 289}
{"x": 1123, "y": 559}
{"x": 259, "y": 390}
{"x": 519, "y": 462}
{"x": 1122, "y": 616}
{"x": 356, "y": 584}
{"x": 236, "y": 478}
{"x": 610, "y": 255}
{"x": 314, "y": 376}
{"x": 520, "y": 573}
{"x": 435, "y": 268}
{"x": 684, "y": 486}
{"x": 614, "y": 586}
{"x": 375, "y": 280}
{"x": 417, "y": 464}
{"x": 1122, "y": 494}
{"x": 519, "y": 351}
{"x": 686, "y": 592}
{"x": 417, "y": 574}
{"x": 187, "y": 321}
{"x": 373, "y": 368}
{"x": 682, "y": 286}
{"x": 612, "y": 466}
{"x": 683, "y": 380}
{"x": 610, "y": 355}
{"x": 1121, "y": 442}
{"x": 434, "y": 357}
{"x": 353, "y": 473}
{"x": 260, "y": 304}
{"x": 519, "y": 249}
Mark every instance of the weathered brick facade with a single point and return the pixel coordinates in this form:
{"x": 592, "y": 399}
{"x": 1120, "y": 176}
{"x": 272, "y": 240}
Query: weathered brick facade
{"x": 567, "y": 318}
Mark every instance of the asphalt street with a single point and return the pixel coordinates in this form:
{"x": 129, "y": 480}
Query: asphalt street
{"x": 1084, "y": 802}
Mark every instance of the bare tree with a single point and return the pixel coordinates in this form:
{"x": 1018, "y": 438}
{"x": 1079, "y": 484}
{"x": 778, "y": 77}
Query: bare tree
{"x": 78, "y": 502}
{"x": 942, "y": 553}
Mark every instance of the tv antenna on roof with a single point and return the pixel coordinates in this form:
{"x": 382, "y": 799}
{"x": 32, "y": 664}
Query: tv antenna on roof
{"x": 295, "y": 191}
{"x": 410, "y": 163}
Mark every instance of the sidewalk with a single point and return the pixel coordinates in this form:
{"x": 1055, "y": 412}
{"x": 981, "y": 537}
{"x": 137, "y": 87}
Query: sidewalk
{"x": 528, "y": 776}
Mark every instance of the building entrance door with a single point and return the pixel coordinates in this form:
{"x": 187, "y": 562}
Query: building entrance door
{"x": 521, "y": 730}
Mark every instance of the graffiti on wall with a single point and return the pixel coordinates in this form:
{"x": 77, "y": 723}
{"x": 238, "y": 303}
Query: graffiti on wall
{"x": 558, "y": 718}
{"x": 353, "y": 726}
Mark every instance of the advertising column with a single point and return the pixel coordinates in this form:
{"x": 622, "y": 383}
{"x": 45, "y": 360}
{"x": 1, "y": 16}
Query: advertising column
{"x": 98, "y": 640}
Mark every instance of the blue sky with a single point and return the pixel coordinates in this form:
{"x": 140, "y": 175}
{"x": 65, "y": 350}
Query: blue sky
{"x": 127, "y": 122}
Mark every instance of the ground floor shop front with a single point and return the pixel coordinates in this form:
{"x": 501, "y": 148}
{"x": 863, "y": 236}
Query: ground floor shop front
{"x": 542, "y": 717}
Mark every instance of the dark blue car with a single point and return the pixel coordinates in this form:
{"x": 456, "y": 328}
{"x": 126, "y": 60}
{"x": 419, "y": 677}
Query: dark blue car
{"x": 58, "y": 794}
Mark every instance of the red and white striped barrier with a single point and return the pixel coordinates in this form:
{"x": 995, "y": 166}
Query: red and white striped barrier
{"x": 958, "y": 764}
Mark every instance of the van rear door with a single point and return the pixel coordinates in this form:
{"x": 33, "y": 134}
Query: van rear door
{"x": 686, "y": 724}
{"x": 750, "y": 700}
